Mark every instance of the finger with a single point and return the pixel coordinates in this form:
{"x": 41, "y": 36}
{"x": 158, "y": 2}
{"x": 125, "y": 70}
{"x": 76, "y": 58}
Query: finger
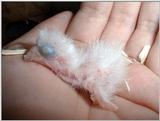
{"x": 59, "y": 21}
{"x": 90, "y": 21}
{"x": 145, "y": 30}
{"x": 154, "y": 57}
{"x": 144, "y": 87}
{"x": 121, "y": 22}
{"x": 135, "y": 111}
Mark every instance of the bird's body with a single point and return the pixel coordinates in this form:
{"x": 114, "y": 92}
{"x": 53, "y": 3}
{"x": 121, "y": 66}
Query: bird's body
{"x": 99, "y": 68}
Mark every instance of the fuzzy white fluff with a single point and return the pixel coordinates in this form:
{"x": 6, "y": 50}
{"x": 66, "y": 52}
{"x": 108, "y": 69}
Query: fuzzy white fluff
{"x": 98, "y": 68}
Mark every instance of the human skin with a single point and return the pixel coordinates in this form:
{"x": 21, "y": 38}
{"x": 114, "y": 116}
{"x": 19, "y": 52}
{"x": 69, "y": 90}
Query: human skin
{"x": 31, "y": 91}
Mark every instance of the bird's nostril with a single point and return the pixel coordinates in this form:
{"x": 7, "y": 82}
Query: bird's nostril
{"x": 47, "y": 50}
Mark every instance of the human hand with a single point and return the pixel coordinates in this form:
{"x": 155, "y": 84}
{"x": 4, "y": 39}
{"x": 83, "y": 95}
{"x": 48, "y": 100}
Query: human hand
{"x": 36, "y": 93}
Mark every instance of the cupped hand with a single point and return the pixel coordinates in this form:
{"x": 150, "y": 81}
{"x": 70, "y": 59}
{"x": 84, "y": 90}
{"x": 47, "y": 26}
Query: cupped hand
{"x": 31, "y": 91}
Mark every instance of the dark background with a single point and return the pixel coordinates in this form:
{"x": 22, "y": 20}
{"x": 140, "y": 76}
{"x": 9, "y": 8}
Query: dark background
{"x": 20, "y": 17}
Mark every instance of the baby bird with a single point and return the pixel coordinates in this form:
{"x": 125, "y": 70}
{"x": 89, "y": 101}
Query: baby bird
{"x": 98, "y": 68}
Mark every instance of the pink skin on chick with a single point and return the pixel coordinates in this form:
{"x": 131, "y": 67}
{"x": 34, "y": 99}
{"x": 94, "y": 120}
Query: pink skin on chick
{"x": 68, "y": 76}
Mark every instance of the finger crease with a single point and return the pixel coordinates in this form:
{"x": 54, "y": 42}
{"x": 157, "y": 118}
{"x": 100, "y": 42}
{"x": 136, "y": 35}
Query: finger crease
{"x": 94, "y": 10}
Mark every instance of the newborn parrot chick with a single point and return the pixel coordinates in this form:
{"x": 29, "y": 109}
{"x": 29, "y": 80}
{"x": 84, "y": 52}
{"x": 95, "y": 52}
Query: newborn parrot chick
{"x": 99, "y": 68}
